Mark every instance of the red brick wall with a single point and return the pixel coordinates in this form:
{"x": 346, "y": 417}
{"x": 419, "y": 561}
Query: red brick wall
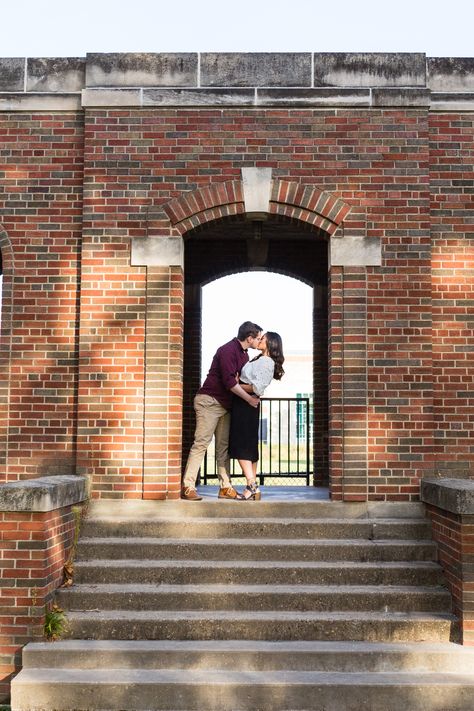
{"x": 41, "y": 214}
{"x": 33, "y": 550}
{"x": 452, "y": 159}
{"x": 415, "y": 384}
{"x": 454, "y": 534}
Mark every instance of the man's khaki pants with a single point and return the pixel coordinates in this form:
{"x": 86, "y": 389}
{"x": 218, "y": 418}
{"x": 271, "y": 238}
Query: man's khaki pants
{"x": 211, "y": 419}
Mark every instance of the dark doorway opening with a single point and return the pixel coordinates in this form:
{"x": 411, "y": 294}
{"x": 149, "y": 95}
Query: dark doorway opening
{"x": 239, "y": 245}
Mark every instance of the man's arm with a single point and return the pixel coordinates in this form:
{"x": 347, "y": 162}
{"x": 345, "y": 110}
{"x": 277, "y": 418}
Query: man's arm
{"x": 251, "y": 399}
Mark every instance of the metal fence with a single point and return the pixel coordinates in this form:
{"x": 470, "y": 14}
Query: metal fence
{"x": 285, "y": 444}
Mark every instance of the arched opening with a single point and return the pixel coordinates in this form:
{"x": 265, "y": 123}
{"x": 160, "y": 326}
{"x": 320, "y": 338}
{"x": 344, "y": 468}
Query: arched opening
{"x": 274, "y": 249}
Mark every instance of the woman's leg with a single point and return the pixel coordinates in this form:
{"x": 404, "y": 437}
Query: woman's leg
{"x": 249, "y": 470}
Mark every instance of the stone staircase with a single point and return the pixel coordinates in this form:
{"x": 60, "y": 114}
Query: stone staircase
{"x": 258, "y": 606}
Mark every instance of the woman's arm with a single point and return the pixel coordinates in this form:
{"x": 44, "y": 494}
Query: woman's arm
{"x": 263, "y": 374}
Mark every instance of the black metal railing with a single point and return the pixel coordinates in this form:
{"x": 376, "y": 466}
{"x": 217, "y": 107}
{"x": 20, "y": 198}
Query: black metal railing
{"x": 285, "y": 443}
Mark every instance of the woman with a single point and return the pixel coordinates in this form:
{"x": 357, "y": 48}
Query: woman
{"x": 254, "y": 378}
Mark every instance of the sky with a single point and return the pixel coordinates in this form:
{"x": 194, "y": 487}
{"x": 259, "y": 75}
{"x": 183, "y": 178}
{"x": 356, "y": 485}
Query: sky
{"x": 71, "y": 28}
{"x": 274, "y": 302}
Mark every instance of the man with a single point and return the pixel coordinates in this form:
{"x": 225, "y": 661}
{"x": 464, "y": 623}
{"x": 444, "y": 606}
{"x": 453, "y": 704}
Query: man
{"x": 212, "y": 405}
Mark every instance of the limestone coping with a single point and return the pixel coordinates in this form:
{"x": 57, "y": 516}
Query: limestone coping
{"x": 252, "y": 79}
{"x": 43, "y": 494}
{"x": 455, "y": 495}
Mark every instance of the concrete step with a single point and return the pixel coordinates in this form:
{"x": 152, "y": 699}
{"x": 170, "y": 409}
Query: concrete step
{"x": 114, "y": 548}
{"x": 249, "y": 655}
{"x": 257, "y": 528}
{"x": 150, "y": 690}
{"x": 214, "y": 508}
{"x": 382, "y": 598}
{"x": 258, "y": 572}
{"x": 262, "y": 625}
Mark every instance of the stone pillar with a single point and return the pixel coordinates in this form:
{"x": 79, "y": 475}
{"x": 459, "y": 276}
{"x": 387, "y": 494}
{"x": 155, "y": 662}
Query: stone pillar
{"x": 348, "y": 379}
{"x": 163, "y": 257}
{"x": 37, "y": 527}
{"x": 450, "y": 506}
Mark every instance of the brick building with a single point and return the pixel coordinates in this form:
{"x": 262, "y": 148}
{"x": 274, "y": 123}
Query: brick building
{"x": 128, "y": 181}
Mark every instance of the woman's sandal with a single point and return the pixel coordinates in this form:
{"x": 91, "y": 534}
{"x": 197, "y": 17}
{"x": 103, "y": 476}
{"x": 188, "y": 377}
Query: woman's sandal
{"x": 255, "y": 493}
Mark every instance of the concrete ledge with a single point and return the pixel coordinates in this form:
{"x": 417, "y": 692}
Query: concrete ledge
{"x": 111, "y": 97}
{"x": 400, "y": 97}
{"x": 40, "y": 102}
{"x": 455, "y": 495}
{"x": 198, "y": 97}
{"x": 44, "y": 494}
{"x": 259, "y": 79}
{"x": 452, "y": 101}
{"x": 313, "y": 97}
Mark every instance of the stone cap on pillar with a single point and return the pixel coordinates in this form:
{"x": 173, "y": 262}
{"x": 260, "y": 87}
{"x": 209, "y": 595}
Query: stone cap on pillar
{"x": 43, "y": 494}
{"x": 455, "y": 495}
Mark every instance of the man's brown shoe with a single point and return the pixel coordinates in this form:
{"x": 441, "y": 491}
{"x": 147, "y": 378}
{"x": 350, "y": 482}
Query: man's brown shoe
{"x": 228, "y": 492}
{"x": 190, "y": 494}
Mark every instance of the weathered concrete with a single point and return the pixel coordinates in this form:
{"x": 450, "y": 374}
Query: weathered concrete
{"x": 250, "y": 655}
{"x": 40, "y": 102}
{"x": 198, "y": 97}
{"x": 141, "y": 69}
{"x": 256, "y": 69}
{"x": 74, "y": 690}
{"x": 316, "y": 80}
{"x": 12, "y": 74}
{"x": 257, "y": 184}
{"x": 456, "y": 495}
{"x": 350, "y": 251}
{"x": 369, "y": 69}
{"x": 59, "y": 74}
{"x": 157, "y": 251}
{"x": 450, "y": 74}
{"x": 43, "y": 494}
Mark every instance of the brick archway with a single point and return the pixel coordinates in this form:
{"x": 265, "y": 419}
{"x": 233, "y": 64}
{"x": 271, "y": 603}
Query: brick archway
{"x": 7, "y": 269}
{"x": 289, "y": 199}
{"x": 351, "y": 255}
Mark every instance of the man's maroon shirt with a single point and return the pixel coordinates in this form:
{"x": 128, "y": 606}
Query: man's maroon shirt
{"x": 224, "y": 371}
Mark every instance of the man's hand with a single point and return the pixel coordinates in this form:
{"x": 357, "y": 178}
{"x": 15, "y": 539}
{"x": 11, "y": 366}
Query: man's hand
{"x": 252, "y": 400}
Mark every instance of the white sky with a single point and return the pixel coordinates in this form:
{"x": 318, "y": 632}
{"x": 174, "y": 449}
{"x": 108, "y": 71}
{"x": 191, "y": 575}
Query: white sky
{"x": 48, "y": 28}
{"x": 274, "y": 302}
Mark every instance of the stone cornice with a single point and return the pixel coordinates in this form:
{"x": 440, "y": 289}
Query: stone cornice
{"x": 253, "y": 80}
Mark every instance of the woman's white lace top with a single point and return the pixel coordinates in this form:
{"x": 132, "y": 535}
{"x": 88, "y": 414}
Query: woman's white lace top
{"x": 258, "y": 374}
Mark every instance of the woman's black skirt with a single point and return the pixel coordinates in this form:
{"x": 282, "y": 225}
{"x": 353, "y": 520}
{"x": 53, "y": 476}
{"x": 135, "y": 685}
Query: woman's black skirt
{"x": 243, "y": 437}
